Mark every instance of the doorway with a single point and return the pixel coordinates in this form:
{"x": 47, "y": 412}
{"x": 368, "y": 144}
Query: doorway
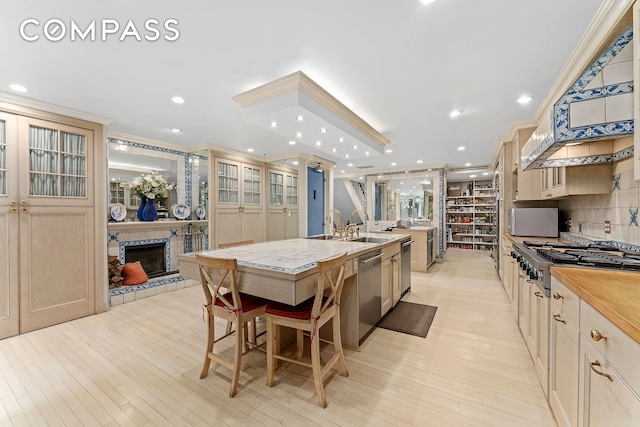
{"x": 315, "y": 203}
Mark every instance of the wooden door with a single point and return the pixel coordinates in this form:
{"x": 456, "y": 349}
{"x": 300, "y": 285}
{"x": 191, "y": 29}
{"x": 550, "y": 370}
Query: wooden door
{"x": 9, "y": 236}
{"x": 541, "y": 322}
{"x": 251, "y": 225}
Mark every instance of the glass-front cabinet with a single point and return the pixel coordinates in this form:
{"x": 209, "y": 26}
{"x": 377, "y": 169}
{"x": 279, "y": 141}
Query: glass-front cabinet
{"x": 283, "y": 212}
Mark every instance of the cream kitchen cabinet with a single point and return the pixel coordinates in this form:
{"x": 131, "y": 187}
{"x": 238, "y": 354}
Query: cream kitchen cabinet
{"x": 283, "y": 211}
{"x": 47, "y": 220}
{"x": 564, "y": 354}
{"x": 239, "y": 212}
{"x": 390, "y": 282}
{"x": 575, "y": 180}
{"x": 527, "y": 183}
{"x": 609, "y": 373}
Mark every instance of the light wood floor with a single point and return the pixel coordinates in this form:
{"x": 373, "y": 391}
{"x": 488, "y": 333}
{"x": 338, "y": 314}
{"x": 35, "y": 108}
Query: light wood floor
{"x": 139, "y": 365}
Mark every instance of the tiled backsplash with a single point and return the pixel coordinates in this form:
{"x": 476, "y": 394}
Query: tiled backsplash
{"x": 589, "y": 213}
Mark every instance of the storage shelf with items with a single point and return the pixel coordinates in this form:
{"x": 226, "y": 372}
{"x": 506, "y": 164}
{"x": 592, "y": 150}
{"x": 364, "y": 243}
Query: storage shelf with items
{"x": 471, "y": 215}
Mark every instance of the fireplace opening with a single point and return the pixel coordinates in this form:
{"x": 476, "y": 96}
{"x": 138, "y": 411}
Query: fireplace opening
{"x": 152, "y": 256}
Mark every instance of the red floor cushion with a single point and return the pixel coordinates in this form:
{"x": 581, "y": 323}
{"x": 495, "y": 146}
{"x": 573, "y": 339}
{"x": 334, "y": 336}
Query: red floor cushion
{"x": 133, "y": 274}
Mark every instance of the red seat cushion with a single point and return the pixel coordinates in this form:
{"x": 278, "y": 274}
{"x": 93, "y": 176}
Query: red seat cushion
{"x": 249, "y": 302}
{"x": 300, "y": 311}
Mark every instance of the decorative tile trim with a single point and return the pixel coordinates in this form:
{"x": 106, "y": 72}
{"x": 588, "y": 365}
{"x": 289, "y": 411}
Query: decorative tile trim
{"x": 561, "y": 123}
{"x": 150, "y": 284}
{"x": 174, "y": 233}
{"x": 625, "y": 153}
{"x": 585, "y": 241}
{"x": 155, "y": 148}
{"x": 616, "y": 182}
{"x": 581, "y": 161}
{"x": 580, "y": 227}
{"x": 167, "y": 247}
{"x": 113, "y": 237}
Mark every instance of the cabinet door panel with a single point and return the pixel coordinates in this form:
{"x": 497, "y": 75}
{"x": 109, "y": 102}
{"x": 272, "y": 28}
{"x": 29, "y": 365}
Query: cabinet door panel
{"x": 56, "y": 265}
{"x": 276, "y": 224}
{"x": 252, "y": 228}
{"x": 563, "y": 382}
{"x": 9, "y": 245}
{"x": 386, "y": 286}
{"x": 228, "y": 226}
{"x": 292, "y": 224}
{"x": 605, "y": 400}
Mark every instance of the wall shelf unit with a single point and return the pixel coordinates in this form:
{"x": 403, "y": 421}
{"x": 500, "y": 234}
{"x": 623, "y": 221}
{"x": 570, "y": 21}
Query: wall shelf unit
{"x": 471, "y": 215}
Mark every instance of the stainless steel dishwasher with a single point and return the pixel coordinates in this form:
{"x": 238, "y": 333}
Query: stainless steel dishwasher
{"x": 405, "y": 265}
{"x": 369, "y": 292}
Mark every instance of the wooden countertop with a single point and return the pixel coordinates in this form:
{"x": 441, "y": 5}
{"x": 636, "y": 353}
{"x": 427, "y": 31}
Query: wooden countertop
{"x": 615, "y": 294}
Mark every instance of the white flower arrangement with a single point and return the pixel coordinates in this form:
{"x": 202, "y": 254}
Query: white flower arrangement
{"x": 149, "y": 186}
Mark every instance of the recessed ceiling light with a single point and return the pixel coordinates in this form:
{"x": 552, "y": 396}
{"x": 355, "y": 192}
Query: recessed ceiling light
{"x": 318, "y": 142}
{"x": 467, "y": 164}
{"x": 388, "y": 150}
{"x": 393, "y": 164}
{"x": 176, "y": 130}
{"x": 341, "y": 139}
{"x": 355, "y": 147}
{"x": 350, "y": 164}
{"x": 401, "y": 183}
{"x": 250, "y": 150}
{"x": 366, "y": 153}
{"x": 18, "y": 88}
{"x": 299, "y": 134}
{"x": 485, "y": 173}
{"x": 346, "y": 156}
{"x": 342, "y": 171}
{"x": 419, "y": 161}
{"x": 427, "y": 1}
{"x": 472, "y": 176}
{"x": 455, "y": 113}
{"x": 323, "y": 130}
{"x": 524, "y": 99}
{"x": 461, "y": 148}
{"x": 360, "y": 177}
{"x": 292, "y": 142}
{"x": 300, "y": 118}
{"x": 177, "y": 100}
{"x": 274, "y": 124}
{"x": 334, "y": 150}
{"x": 295, "y": 162}
{"x": 379, "y": 176}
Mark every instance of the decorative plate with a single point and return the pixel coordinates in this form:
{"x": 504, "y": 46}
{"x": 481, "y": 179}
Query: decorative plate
{"x": 118, "y": 211}
{"x": 201, "y": 212}
{"x": 181, "y": 211}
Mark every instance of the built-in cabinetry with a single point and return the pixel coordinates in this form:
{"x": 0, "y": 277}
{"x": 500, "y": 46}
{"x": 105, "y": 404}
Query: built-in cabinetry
{"x": 594, "y": 369}
{"x": 239, "y": 208}
{"x": 390, "y": 277}
{"x": 510, "y": 271}
{"x": 424, "y": 239}
{"x": 471, "y": 215}
{"x": 575, "y": 181}
{"x": 47, "y": 219}
{"x": 526, "y": 185}
{"x": 282, "y": 212}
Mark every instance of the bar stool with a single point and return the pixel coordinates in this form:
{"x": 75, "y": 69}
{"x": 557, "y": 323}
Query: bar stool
{"x": 233, "y": 306}
{"x": 309, "y": 317}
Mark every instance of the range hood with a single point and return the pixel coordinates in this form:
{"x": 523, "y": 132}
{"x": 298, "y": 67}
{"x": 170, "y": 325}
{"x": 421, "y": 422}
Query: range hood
{"x": 581, "y": 127}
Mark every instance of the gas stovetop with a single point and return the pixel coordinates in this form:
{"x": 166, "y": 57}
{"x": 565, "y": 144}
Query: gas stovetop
{"x": 592, "y": 256}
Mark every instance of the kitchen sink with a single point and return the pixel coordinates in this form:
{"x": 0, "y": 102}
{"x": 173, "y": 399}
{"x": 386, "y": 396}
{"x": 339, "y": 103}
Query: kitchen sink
{"x": 368, "y": 239}
{"x": 321, "y": 237}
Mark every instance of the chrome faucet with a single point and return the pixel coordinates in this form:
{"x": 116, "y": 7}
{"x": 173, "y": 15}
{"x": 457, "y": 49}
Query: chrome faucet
{"x": 340, "y": 230}
{"x": 366, "y": 217}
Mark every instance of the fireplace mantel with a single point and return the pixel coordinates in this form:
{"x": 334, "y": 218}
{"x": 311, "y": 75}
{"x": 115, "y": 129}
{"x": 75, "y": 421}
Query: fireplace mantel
{"x": 150, "y": 225}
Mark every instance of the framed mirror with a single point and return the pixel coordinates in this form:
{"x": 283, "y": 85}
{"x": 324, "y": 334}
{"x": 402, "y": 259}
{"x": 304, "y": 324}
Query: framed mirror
{"x": 406, "y": 198}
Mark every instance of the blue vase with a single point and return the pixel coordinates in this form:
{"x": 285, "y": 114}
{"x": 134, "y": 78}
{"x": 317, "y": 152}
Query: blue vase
{"x": 150, "y": 213}
{"x": 143, "y": 201}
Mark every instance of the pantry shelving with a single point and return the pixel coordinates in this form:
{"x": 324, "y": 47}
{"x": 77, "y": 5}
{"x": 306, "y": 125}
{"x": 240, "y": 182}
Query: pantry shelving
{"x": 471, "y": 215}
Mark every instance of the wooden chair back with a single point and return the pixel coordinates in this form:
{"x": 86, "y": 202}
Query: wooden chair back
{"x": 330, "y": 284}
{"x": 232, "y": 244}
{"x": 218, "y": 276}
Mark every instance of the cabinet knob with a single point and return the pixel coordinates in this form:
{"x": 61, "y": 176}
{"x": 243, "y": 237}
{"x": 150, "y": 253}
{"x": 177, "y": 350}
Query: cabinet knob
{"x": 23, "y": 209}
{"x": 14, "y": 209}
{"x": 597, "y": 336}
{"x": 556, "y": 296}
{"x": 24, "y": 202}
{"x": 13, "y": 203}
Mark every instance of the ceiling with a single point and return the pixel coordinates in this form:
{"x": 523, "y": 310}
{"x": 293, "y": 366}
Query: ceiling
{"x": 400, "y": 65}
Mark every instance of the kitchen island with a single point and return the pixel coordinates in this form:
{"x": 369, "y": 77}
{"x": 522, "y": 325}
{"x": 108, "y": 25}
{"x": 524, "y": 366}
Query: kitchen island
{"x": 286, "y": 271}
{"x": 424, "y": 249}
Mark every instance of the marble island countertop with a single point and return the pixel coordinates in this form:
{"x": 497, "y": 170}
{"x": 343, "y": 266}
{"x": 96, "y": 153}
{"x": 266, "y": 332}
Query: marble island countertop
{"x": 297, "y": 256}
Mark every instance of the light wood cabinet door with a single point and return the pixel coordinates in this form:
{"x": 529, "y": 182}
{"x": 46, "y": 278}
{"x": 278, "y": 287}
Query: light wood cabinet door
{"x": 524, "y": 306}
{"x": 395, "y": 279}
{"x": 386, "y": 290}
{"x": 228, "y": 226}
{"x": 56, "y": 265}
{"x": 283, "y": 212}
{"x": 563, "y": 379}
{"x": 605, "y": 399}
{"x": 513, "y": 296}
{"x": 9, "y": 215}
{"x": 540, "y": 322}
{"x": 252, "y": 225}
